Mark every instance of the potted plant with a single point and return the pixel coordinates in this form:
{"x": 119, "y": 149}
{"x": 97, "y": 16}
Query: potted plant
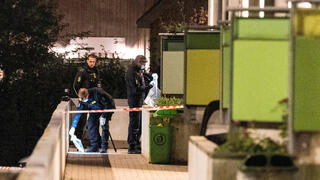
{"x": 238, "y": 146}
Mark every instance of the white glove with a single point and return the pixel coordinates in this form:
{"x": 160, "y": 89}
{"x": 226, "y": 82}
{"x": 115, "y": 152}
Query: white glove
{"x": 77, "y": 142}
{"x": 154, "y": 79}
{"x": 152, "y": 83}
{"x": 102, "y": 120}
{"x": 71, "y": 132}
{"x": 155, "y": 76}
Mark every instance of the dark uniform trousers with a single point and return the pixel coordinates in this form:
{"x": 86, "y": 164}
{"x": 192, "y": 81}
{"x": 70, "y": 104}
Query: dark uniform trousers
{"x": 134, "y": 129}
{"x": 93, "y": 123}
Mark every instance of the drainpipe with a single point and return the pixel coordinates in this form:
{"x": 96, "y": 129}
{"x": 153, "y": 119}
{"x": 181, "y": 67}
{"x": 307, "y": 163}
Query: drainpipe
{"x": 224, "y": 8}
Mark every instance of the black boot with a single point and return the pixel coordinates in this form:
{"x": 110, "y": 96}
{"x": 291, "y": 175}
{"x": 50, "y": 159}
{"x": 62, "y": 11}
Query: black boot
{"x": 92, "y": 149}
{"x": 103, "y": 148}
{"x": 131, "y": 149}
{"x": 137, "y": 148}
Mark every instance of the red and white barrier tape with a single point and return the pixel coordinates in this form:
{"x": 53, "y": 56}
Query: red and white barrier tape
{"x": 128, "y": 109}
{"x": 7, "y": 168}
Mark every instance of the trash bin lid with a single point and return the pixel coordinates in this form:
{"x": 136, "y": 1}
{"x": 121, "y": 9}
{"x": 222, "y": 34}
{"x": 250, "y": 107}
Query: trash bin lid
{"x": 165, "y": 113}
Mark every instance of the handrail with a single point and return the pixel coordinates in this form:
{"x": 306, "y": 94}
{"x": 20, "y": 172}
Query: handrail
{"x": 266, "y": 9}
{"x": 309, "y": 1}
{"x": 48, "y": 159}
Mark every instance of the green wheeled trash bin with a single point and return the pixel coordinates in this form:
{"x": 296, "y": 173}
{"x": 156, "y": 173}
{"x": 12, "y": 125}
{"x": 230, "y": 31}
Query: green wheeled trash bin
{"x": 161, "y": 137}
{"x": 160, "y": 144}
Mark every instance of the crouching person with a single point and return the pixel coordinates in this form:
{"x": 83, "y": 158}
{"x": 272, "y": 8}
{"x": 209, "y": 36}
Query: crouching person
{"x": 95, "y": 99}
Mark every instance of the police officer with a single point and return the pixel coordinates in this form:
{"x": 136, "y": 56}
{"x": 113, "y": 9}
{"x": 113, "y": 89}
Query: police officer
{"x": 95, "y": 99}
{"x": 136, "y": 91}
{"x": 86, "y": 77}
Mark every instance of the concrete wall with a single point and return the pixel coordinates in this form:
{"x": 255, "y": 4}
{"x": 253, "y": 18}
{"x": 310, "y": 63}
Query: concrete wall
{"x": 193, "y": 114}
{"x": 204, "y": 164}
{"x": 182, "y": 130}
{"x": 145, "y": 134}
{"x": 119, "y": 124}
{"x": 8, "y": 175}
{"x": 47, "y": 161}
{"x": 308, "y": 155}
{"x": 200, "y": 165}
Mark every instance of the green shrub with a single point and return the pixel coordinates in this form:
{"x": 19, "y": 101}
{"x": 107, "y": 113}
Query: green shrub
{"x": 164, "y": 117}
{"x": 34, "y": 76}
{"x": 112, "y": 74}
{"x": 164, "y": 101}
{"x": 242, "y": 143}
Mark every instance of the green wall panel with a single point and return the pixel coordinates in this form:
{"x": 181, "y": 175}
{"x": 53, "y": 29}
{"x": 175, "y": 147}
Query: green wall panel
{"x": 203, "y": 40}
{"x": 306, "y": 108}
{"x": 261, "y": 28}
{"x": 203, "y": 76}
{"x": 176, "y": 46}
{"x": 173, "y": 72}
{"x": 307, "y": 22}
{"x": 226, "y": 68}
{"x": 173, "y": 43}
{"x": 260, "y": 80}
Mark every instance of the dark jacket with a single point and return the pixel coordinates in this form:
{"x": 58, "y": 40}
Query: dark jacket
{"x": 86, "y": 78}
{"x": 104, "y": 99}
{"x": 98, "y": 100}
{"x": 147, "y": 79}
{"x": 136, "y": 87}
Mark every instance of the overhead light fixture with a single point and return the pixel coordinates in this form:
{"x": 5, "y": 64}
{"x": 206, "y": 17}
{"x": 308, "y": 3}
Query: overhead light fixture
{"x": 261, "y": 5}
{"x": 245, "y": 4}
{"x": 304, "y": 5}
{"x": 289, "y": 4}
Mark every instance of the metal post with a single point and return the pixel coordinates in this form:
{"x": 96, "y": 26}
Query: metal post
{"x": 291, "y": 139}
{"x": 114, "y": 147}
{"x": 310, "y": 1}
{"x": 185, "y": 66}
{"x": 229, "y": 120}
{"x": 221, "y": 74}
{"x": 211, "y": 12}
{"x": 257, "y": 9}
{"x": 67, "y": 125}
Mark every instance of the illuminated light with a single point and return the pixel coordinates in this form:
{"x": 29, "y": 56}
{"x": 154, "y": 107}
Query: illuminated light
{"x": 289, "y": 4}
{"x": 261, "y": 5}
{"x": 129, "y": 53}
{"x": 245, "y": 4}
{"x": 102, "y": 46}
{"x": 210, "y": 13}
{"x": 68, "y": 51}
{"x": 304, "y": 5}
